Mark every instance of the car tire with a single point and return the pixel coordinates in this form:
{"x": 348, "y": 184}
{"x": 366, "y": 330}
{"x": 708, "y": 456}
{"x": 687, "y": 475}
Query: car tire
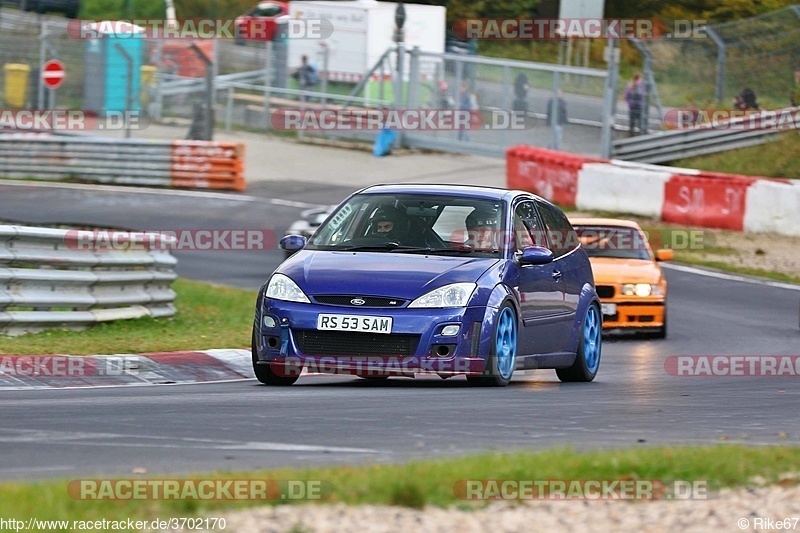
{"x": 375, "y": 379}
{"x": 264, "y": 373}
{"x": 587, "y": 360}
{"x": 503, "y": 357}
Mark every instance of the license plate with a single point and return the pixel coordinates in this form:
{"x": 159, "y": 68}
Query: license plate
{"x": 370, "y": 324}
{"x": 609, "y": 309}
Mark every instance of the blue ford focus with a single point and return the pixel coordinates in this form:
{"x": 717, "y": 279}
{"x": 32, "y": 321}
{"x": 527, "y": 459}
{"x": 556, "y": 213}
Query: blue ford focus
{"x": 403, "y": 280}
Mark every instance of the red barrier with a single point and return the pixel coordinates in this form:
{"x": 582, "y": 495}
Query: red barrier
{"x": 548, "y": 173}
{"x": 710, "y": 199}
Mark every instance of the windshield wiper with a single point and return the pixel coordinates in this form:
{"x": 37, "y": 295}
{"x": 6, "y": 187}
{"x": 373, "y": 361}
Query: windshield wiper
{"x": 441, "y": 251}
{"x": 387, "y": 247}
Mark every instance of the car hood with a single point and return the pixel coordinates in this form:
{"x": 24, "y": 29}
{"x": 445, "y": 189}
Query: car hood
{"x": 395, "y": 275}
{"x": 610, "y": 271}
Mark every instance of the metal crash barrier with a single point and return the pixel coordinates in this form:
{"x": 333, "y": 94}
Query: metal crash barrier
{"x": 191, "y": 164}
{"x": 75, "y": 278}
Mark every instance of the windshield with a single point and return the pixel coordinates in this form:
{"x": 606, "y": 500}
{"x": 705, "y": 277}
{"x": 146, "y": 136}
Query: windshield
{"x": 613, "y": 241}
{"x": 431, "y": 224}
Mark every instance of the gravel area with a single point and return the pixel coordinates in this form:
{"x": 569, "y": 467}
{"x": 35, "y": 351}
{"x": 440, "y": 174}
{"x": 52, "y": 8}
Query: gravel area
{"x": 722, "y": 513}
{"x": 765, "y": 251}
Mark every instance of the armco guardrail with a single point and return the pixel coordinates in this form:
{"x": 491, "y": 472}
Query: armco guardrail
{"x": 680, "y": 195}
{"x": 671, "y": 145}
{"x": 193, "y": 164}
{"x": 52, "y": 278}
{"x": 172, "y": 85}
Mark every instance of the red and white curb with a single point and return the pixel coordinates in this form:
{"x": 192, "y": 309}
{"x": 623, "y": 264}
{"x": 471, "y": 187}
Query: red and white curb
{"x": 67, "y": 371}
{"x": 679, "y": 195}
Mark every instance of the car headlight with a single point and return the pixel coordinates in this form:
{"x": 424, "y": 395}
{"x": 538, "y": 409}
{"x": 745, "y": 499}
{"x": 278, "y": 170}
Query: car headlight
{"x": 283, "y": 288}
{"x": 453, "y": 295}
{"x": 641, "y": 289}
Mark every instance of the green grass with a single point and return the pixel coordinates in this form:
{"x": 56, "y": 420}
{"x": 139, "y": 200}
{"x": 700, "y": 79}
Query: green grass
{"x": 432, "y": 482}
{"x": 778, "y": 159}
{"x": 208, "y": 317}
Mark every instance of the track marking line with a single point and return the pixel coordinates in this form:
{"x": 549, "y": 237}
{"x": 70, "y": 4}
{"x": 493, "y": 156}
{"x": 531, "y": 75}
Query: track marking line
{"x": 139, "y": 441}
{"x": 731, "y": 277}
{"x": 160, "y": 192}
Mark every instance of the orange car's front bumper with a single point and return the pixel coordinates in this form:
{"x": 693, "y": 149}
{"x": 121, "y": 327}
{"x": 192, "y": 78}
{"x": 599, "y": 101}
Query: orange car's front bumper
{"x": 633, "y": 315}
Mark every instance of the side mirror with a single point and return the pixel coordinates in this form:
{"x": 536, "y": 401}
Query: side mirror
{"x": 536, "y": 255}
{"x": 293, "y": 243}
{"x": 665, "y": 255}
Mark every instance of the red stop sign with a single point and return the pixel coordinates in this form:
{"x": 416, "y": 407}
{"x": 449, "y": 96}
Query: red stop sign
{"x": 53, "y": 73}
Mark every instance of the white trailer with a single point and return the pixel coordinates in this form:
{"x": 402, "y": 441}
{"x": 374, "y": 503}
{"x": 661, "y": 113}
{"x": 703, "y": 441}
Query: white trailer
{"x": 362, "y": 31}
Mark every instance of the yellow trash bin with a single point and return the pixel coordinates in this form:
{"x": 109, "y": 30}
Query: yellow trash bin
{"x": 16, "y": 87}
{"x": 148, "y": 82}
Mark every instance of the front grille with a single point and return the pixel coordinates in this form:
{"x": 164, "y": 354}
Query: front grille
{"x": 605, "y": 291}
{"x": 369, "y": 301}
{"x": 313, "y": 342}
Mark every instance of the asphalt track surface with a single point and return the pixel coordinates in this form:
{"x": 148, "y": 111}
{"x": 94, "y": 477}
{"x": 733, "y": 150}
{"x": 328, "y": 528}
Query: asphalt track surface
{"x": 335, "y": 419}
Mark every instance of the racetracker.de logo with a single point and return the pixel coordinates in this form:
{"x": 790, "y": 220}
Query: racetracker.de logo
{"x": 541, "y": 29}
{"x": 198, "y": 489}
{"x": 581, "y": 489}
{"x": 396, "y": 119}
{"x": 733, "y": 365}
{"x": 722, "y": 119}
{"x": 255, "y": 29}
{"x": 71, "y": 120}
{"x": 171, "y": 240}
{"x": 67, "y": 366}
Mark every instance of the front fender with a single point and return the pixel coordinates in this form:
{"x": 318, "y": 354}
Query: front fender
{"x": 499, "y": 295}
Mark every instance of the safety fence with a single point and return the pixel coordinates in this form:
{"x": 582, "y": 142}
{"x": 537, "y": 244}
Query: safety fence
{"x": 192, "y": 164}
{"x": 761, "y": 53}
{"x": 53, "y": 278}
{"x": 679, "y": 195}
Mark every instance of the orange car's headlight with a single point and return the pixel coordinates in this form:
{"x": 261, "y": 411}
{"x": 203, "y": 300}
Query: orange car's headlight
{"x": 642, "y": 289}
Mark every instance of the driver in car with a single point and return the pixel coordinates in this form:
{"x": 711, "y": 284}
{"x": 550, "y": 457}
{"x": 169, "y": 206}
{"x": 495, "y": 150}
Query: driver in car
{"x": 387, "y": 223}
{"x": 483, "y": 226}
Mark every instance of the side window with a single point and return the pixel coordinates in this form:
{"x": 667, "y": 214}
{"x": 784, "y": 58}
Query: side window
{"x": 528, "y": 229}
{"x": 561, "y": 236}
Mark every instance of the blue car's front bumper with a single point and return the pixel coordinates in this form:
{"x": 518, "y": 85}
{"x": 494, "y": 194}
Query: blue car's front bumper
{"x": 415, "y": 345}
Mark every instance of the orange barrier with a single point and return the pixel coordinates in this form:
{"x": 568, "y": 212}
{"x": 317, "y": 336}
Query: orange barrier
{"x": 179, "y": 57}
{"x": 207, "y": 164}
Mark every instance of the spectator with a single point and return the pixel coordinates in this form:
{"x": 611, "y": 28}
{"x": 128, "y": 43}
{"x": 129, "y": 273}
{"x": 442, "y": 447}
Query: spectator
{"x": 746, "y": 100}
{"x": 521, "y": 93}
{"x": 795, "y": 96}
{"x": 634, "y": 97}
{"x": 443, "y": 97}
{"x": 557, "y": 118}
{"x": 467, "y": 101}
{"x": 306, "y": 77}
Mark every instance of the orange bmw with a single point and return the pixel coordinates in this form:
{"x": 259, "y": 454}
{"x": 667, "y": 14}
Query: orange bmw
{"x": 629, "y": 281}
